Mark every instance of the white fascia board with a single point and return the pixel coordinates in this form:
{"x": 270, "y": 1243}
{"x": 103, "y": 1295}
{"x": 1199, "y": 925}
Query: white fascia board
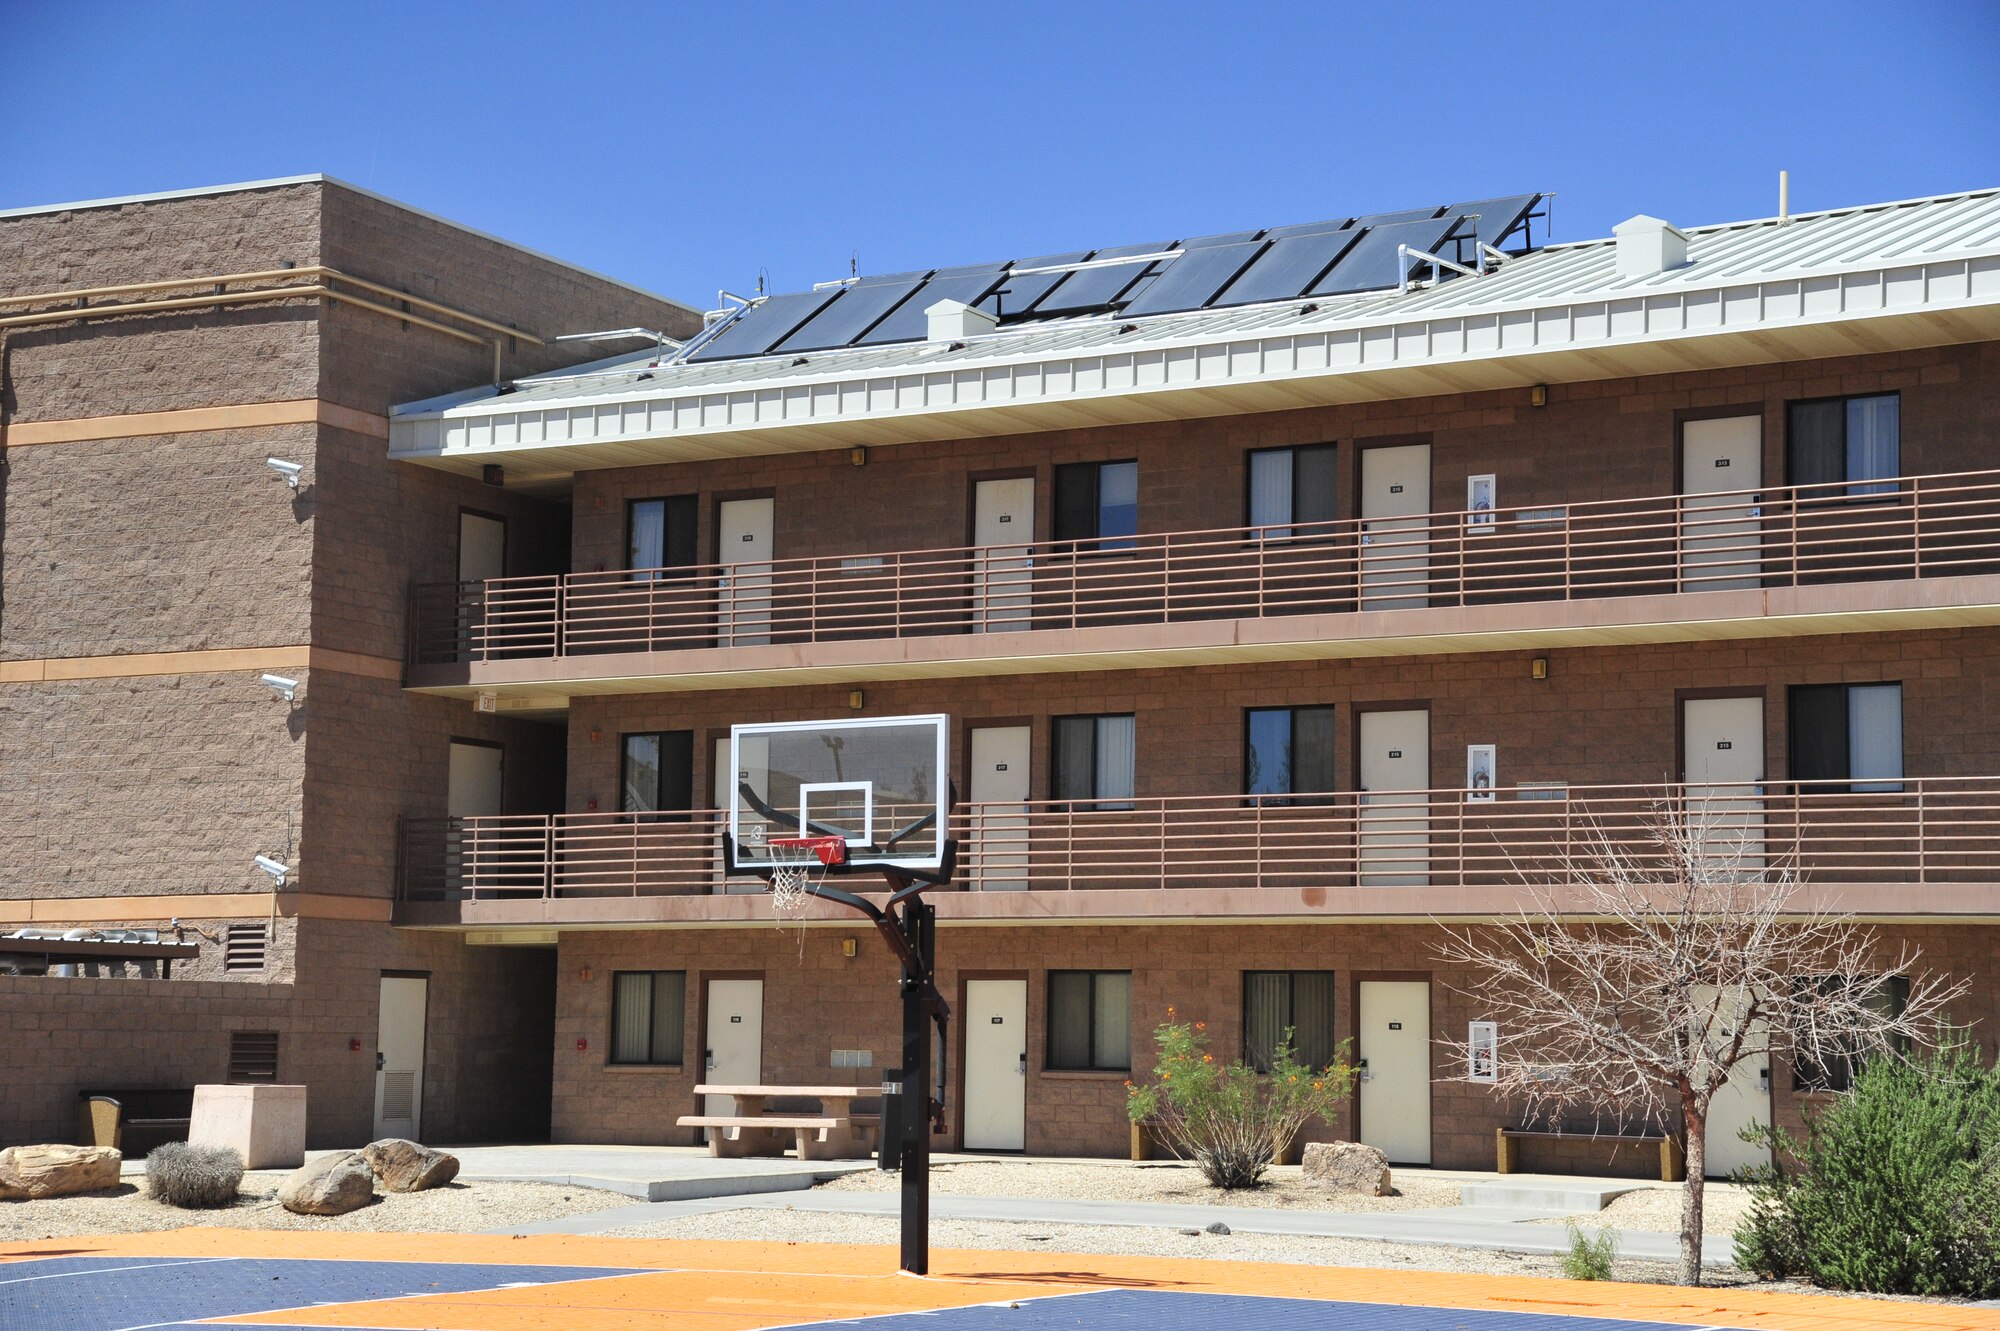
{"x": 1646, "y": 312}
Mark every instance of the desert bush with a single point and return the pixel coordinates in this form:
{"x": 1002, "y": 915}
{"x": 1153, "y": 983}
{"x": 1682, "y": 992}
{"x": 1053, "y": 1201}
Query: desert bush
{"x": 1588, "y": 1258}
{"x": 1895, "y": 1187}
{"x": 193, "y": 1177}
{"x": 1229, "y": 1119}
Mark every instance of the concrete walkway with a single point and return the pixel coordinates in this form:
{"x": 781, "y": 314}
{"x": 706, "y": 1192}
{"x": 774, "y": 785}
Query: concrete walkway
{"x": 650, "y": 1173}
{"x": 1488, "y": 1228}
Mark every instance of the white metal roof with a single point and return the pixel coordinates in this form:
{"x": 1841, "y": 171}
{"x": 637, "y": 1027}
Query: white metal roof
{"x": 1756, "y": 290}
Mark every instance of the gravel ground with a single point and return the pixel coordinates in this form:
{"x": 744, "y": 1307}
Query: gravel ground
{"x": 1658, "y": 1210}
{"x": 454, "y": 1208}
{"x": 1157, "y": 1181}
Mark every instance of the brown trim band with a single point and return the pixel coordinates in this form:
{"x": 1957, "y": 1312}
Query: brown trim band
{"x": 220, "y": 661}
{"x": 196, "y": 420}
{"x": 218, "y": 906}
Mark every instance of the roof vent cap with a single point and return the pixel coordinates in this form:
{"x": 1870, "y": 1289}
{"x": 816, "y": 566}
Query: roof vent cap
{"x": 953, "y": 320}
{"x": 1649, "y": 246}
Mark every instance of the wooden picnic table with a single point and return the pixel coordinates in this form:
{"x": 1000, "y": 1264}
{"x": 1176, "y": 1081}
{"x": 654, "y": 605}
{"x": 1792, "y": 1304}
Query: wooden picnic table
{"x": 834, "y": 1133}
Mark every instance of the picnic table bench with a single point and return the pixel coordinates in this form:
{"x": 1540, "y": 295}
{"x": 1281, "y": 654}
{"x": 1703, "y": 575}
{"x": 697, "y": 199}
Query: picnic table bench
{"x": 835, "y": 1132}
{"x": 1673, "y": 1166}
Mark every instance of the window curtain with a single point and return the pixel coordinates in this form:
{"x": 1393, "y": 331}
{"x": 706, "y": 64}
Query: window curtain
{"x": 669, "y": 1015}
{"x": 1271, "y": 492}
{"x": 1312, "y": 750}
{"x": 1875, "y": 736}
{"x": 648, "y": 547}
{"x": 1075, "y": 757}
{"x": 1069, "y": 1019}
{"x": 1819, "y": 745}
{"x": 1111, "y": 1020}
{"x": 1312, "y": 1018}
{"x": 1118, "y": 504}
{"x": 1267, "y": 1010}
{"x": 1873, "y": 444}
{"x": 1818, "y": 445}
{"x": 1115, "y": 754}
{"x": 631, "y": 1004}
{"x": 1315, "y": 484}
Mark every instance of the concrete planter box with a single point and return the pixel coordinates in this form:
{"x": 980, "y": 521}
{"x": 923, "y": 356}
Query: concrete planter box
{"x": 265, "y": 1124}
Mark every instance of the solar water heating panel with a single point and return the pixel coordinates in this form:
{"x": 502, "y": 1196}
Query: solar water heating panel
{"x": 1191, "y": 281}
{"x": 1372, "y": 263}
{"x": 859, "y": 308}
{"x": 764, "y": 325}
{"x": 1287, "y": 268}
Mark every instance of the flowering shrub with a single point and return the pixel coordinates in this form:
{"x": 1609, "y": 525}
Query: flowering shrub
{"x": 1227, "y": 1118}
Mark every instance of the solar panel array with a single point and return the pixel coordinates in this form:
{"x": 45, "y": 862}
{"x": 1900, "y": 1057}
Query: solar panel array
{"x": 1334, "y": 258}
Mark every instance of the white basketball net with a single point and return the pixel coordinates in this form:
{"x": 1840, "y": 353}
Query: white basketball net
{"x": 795, "y": 871}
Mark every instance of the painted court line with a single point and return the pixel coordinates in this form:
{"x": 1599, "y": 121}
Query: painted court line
{"x": 107, "y": 1270}
{"x": 234, "y": 1319}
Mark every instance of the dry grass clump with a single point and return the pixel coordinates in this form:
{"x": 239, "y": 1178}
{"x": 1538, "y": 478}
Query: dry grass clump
{"x": 193, "y": 1177}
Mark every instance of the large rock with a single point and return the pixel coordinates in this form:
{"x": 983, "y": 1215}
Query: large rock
{"x": 330, "y": 1185}
{"x": 1348, "y": 1167}
{"x": 404, "y": 1166}
{"x": 56, "y": 1171}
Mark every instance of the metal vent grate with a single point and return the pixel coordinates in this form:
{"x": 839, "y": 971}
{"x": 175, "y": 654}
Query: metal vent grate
{"x": 399, "y": 1093}
{"x": 243, "y": 947}
{"x": 253, "y": 1056}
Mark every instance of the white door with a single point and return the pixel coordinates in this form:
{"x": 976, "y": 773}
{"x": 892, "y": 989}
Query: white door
{"x": 744, "y": 527}
{"x": 1395, "y": 809}
{"x": 756, "y": 755}
{"x": 1722, "y": 757}
{"x": 734, "y": 1055}
{"x": 473, "y": 787}
{"x": 1721, "y": 531}
{"x": 399, "y": 1058}
{"x": 1003, "y": 527}
{"x": 996, "y": 1065}
{"x": 482, "y": 547}
{"x": 1395, "y": 534}
{"x": 1394, "y": 1096}
{"x": 1000, "y": 808}
{"x": 1741, "y": 1102}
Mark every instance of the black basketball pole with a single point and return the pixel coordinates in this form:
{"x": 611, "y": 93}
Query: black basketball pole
{"x": 919, "y": 928}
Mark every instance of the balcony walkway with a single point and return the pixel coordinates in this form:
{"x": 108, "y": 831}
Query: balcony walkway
{"x": 1910, "y": 552}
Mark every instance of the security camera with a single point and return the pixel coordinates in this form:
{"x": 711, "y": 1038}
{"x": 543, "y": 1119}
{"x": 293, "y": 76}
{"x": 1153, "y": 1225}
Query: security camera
{"x": 277, "y": 870}
{"x": 289, "y": 470}
{"x": 287, "y": 689}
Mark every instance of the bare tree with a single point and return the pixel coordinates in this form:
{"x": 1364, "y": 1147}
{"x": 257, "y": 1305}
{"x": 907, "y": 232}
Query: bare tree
{"x": 1630, "y": 987}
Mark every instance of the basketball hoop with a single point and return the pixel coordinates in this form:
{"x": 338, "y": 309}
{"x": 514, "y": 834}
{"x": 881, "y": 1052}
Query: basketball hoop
{"x": 798, "y": 864}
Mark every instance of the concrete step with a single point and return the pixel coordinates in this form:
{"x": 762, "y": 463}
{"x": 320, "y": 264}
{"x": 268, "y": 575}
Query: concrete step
{"x": 1545, "y": 1195}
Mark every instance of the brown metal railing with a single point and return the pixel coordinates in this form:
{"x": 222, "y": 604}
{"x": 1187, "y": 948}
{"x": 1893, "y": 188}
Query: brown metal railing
{"x": 1917, "y": 831}
{"x": 1913, "y": 526}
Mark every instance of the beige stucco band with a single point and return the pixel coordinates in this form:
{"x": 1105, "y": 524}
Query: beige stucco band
{"x": 195, "y": 420}
{"x": 203, "y": 906}
{"x": 219, "y": 661}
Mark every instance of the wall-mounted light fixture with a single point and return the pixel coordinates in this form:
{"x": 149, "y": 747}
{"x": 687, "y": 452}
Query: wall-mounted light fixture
{"x": 847, "y": 947}
{"x": 857, "y": 699}
{"x": 858, "y": 455}
{"x": 584, "y": 975}
{"x": 1538, "y": 668}
{"x": 493, "y": 474}
{"x": 1538, "y": 396}
{"x": 596, "y": 737}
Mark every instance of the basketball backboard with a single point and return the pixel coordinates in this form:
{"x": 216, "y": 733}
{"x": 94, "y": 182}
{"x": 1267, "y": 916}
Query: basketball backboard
{"x": 882, "y": 783}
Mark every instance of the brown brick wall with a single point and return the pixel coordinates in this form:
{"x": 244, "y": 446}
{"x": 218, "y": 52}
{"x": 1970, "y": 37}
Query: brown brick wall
{"x": 1600, "y": 440}
{"x": 815, "y": 1001}
{"x": 1604, "y": 715}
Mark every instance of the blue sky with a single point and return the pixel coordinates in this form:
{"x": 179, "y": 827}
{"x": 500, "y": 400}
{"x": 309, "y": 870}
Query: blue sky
{"x": 686, "y": 146}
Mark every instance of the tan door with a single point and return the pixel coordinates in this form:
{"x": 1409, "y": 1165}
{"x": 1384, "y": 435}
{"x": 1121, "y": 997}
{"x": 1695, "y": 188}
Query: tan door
{"x": 1720, "y": 530}
{"x": 1395, "y": 534}
{"x": 1394, "y": 1049}
{"x": 734, "y": 1053}
{"x": 474, "y": 786}
{"x": 1395, "y": 810}
{"x": 996, "y": 1065}
{"x": 1003, "y": 527}
{"x": 482, "y": 547}
{"x": 756, "y": 751}
{"x": 1722, "y": 741}
{"x": 744, "y": 531}
{"x": 999, "y": 763}
{"x": 1743, "y": 1101}
{"x": 399, "y": 1057}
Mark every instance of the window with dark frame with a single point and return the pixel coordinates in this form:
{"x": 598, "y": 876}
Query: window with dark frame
{"x": 648, "y": 1017}
{"x": 660, "y": 536}
{"x": 1097, "y": 504}
{"x": 1287, "y": 751}
{"x": 1838, "y": 1071}
{"x": 1090, "y": 1021}
{"x": 1277, "y": 1001}
{"x": 657, "y": 772}
{"x": 1855, "y": 442}
{"x": 1850, "y": 733}
{"x": 1093, "y": 760}
{"x": 1292, "y": 487}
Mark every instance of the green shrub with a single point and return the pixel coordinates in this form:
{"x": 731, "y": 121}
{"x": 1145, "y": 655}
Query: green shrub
{"x": 1229, "y": 1119}
{"x": 193, "y": 1177}
{"x": 1588, "y": 1258}
{"x": 1895, "y": 1188}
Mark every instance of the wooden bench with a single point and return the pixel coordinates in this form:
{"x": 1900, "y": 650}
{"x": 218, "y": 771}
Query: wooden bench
{"x": 1673, "y": 1163}
{"x": 135, "y": 1120}
{"x": 758, "y": 1129}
